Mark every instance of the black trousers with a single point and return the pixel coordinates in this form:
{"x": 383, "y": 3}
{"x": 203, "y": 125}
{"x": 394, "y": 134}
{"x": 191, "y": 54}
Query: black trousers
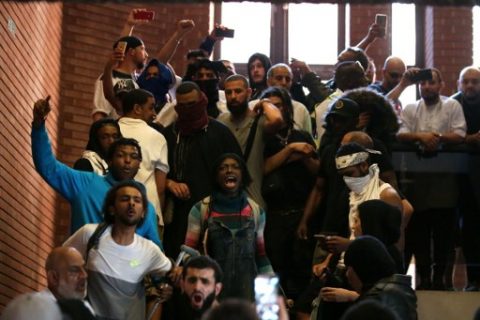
{"x": 430, "y": 237}
{"x": 291, "y": 257}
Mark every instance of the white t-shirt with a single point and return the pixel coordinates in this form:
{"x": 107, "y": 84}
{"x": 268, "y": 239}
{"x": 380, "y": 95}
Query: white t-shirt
{"x": 446, "y": 116}
{"x": 116, "y": 272}
{"x": 154, "y": 156}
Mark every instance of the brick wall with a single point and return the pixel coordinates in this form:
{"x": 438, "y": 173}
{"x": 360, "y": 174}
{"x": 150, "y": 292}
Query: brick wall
{"x": 448, "y": 42}
{"x": 29, "y": 54}
{"x": 57, "y": 49}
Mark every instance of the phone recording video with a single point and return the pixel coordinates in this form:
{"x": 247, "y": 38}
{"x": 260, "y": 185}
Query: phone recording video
{"x": 266, "y": 294}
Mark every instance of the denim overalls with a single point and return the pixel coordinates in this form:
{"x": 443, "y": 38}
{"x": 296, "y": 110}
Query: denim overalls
{"x": 235, "y": 253}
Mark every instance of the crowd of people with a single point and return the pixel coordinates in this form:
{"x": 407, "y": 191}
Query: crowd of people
{"x": 192, "y": 186}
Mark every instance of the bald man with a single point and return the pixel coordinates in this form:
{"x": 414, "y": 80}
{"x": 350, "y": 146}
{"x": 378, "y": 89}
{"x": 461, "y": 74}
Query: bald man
{"x": 396, "y": 78}
{"x": 66, "y": 274}
{"x": 469, "y": 97}
{"x": 66, "y": 279}
{"x": 393, "y": 70}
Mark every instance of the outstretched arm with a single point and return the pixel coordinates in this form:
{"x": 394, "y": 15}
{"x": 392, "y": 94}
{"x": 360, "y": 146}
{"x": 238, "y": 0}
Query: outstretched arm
{"x": 107, "y": 81}
{"x": 131, "y": 22}
{"x": 165, "y": 54}
{"x": 374, "y": 32}
{"x": 65, "y": 180}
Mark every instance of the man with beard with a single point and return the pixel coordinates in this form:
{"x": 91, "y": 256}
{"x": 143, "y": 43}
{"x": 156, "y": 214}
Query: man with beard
{"x": 469, "y": 98}
{"x": 264, "y": 119}
{"x": 119, "y": 259}
{"x": 194, "y": 142}
{"x": 135, "y": 57}
{"x": 85, "y": 191}
{"x": 201, "y": 284}
{"x": 429, "y": 123}
{"x": 66, "y": 279}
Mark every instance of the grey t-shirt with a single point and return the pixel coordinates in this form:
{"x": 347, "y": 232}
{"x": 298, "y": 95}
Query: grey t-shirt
{"x": 241, "y": 131}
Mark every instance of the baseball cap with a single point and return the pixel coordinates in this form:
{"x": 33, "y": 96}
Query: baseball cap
{"x": 344, "y": 107}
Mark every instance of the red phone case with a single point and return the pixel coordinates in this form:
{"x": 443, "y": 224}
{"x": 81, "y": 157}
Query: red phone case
{"x": 144, "y": 15}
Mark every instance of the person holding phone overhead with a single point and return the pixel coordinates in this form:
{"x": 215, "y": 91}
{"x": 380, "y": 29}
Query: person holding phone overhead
{"x": 429, "y": 123}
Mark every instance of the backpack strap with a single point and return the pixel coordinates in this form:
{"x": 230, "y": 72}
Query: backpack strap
{"x": 95, "y": 238}
{"x": 255, "y": 211}
{"x": 251, "y": 137}
{"x": 205, "y": 212}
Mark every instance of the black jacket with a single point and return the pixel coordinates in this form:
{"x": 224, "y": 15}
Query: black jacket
{"x": 396, "y": 293}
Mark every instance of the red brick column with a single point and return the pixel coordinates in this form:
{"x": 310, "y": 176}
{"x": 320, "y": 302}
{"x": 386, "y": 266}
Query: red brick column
{"x": 448, "y": 42}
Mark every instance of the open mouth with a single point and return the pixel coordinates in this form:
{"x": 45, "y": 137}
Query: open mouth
{"x": 197, "y": 299}
{"x": 231, "y": 182}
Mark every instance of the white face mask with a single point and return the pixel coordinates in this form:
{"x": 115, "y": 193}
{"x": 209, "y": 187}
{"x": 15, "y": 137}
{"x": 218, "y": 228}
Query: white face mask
{"x": 357, "y": 184}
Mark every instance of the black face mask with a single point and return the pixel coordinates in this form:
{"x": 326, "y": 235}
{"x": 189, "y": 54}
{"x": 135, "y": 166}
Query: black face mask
{"x": 210, "y": 88}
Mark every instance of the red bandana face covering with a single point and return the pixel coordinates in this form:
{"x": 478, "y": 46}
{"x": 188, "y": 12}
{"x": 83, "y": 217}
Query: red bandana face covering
{"x": 192, "y": 118}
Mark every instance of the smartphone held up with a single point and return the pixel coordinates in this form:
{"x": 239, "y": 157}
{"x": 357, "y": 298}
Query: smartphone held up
{"x": 144, "y": 15}
{"x": 266, "y": 297}
{"x": 224, "y": 32}
{"x": 381, "y": 20}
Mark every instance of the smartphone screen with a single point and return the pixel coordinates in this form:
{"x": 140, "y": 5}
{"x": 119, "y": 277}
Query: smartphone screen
{"x": 266, "y": 293}
{"x": 381, "y": 19}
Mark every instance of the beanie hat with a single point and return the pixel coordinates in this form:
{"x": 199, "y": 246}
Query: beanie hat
{"x": 370, "y": 260}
